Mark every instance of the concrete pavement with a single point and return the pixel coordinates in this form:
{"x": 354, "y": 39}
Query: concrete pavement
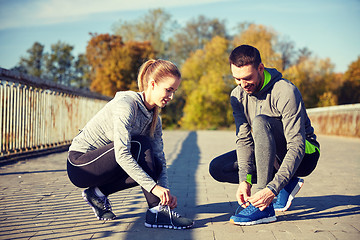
{"x": 37, "y": 201}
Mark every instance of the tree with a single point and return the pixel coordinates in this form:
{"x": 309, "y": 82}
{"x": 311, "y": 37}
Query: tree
{"x": 207, "y": 87}
{"x": 265, "y": 40}
{"x": 153, "y": 27}
{"x": 287, "y": 51}
{"x": 303, "y": 54}
{"x": 327, "y": 99}
{"x": 59, "y": 63}
{"x": 195, "y": 35}
{"x": 114, "y": 64}
{"x": 349, "y": 92}
{"x": 58, "y": 66}
{"x": 81, "y": 76}
{"x": 315, "y": 79}
{"x": 33, "y": 63}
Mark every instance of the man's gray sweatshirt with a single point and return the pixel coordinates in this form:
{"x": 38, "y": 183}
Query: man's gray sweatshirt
{"x": 280, "y": 99}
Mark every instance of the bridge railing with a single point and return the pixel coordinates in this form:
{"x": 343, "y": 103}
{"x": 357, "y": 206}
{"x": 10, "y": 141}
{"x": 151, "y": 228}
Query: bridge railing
{"x": 342, "y": 120}
{"x": 37, "y": 115}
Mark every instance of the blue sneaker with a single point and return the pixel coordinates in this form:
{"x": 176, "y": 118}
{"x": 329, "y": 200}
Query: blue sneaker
{"x": 252, "y": 215}
{"x": 287, "y": 194}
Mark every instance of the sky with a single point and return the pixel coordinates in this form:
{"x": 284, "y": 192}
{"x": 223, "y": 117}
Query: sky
{"x": 328, "y": 28}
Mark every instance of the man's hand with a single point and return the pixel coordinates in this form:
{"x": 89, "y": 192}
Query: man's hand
{"x": 243, "y": 193}
{"x": 165, "y": 197}
{"x": 262, "y": 198}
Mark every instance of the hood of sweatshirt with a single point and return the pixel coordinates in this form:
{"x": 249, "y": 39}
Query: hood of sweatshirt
{"x": 275, "y": 76}
{"x": 130, "y": 96}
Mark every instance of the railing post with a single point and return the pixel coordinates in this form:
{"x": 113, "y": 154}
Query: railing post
{"x": 37, "y": 115}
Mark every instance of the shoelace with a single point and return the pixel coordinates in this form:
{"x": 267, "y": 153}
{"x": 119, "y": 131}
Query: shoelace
{"x": 171, "y": 213}
{"x": 241, "y": 206}
{"x": 106, "y": 203}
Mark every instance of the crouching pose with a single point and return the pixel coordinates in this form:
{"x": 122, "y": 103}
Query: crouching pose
{"x": 275, "y": 142}
{"x": 121, "y": 147}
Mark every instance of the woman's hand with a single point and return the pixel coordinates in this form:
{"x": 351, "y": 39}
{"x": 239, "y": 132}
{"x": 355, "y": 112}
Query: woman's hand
{"x": 262, "y": 198}
{"x": 243, "y": 193}
{"x": 165, "y": 196}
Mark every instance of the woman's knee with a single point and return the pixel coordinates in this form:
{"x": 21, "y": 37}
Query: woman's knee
{"x": 142, "y": 152}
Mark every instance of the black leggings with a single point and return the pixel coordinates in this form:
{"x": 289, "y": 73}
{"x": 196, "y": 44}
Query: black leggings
{"x": 98, "y": 168}
{"x": 224, "y": 168}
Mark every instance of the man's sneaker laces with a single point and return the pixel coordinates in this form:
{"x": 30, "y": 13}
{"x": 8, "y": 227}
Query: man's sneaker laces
{"x": 252, "y": 215}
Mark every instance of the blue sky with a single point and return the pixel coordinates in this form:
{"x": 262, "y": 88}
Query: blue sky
{"x": 329, "y": 28}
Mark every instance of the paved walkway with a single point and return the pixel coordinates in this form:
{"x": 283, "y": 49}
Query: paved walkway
{"x": 37, "y": 201}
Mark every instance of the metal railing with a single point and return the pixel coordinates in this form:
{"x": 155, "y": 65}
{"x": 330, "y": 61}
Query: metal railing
{"x": 36, "y": 115}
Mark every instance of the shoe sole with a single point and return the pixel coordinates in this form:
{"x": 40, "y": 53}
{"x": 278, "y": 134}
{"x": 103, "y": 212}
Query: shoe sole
{"x": 167, "y": 226}
{"x": 263, "y": 220}
{"x": 291, "y": 197}
{"x": 99, "y": 218}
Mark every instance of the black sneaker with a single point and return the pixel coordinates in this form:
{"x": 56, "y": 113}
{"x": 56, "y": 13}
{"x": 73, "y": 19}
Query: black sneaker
{"x": 100, "y": 205}
{"x": 164, "y": 217}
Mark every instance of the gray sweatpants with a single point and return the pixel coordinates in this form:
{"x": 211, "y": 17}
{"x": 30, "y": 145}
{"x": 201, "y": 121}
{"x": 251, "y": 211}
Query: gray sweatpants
{"x": 269, "y": 147}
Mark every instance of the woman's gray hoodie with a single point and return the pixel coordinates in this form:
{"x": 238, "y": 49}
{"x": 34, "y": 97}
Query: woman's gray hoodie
{"x": 280, "y": 99}
{"x": 123, "y": 117}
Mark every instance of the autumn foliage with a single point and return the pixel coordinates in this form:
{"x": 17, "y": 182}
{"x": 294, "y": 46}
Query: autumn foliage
{"x": 207, "y": 91}
{"x": 200, "y": 48}
{"x": 114, "y": 64}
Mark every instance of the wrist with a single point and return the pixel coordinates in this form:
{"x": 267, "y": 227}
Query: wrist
{"x": 272, "y": 190}
{"x": 246, "y": 183}
{"x": 153, "y": 188}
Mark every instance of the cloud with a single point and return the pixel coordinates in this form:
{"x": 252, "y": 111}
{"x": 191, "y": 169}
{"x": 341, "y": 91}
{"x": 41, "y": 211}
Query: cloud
{"x": 40, "y": 12}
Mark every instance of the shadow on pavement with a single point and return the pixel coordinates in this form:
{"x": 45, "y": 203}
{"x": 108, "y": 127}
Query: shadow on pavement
{"x": 221, "y": 210}
{"x": 30, "y": 172}
{"x": 321, "y": 207}
{"x": 182, "y": 184}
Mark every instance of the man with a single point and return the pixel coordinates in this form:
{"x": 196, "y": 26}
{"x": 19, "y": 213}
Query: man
{"x": 275, "y": 142}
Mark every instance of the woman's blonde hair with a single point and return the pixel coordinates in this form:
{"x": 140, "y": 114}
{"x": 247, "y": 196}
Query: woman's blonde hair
{"x": 157, "y": 70}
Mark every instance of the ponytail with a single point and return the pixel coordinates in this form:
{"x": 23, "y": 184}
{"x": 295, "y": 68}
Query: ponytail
{"x": 141, "y": 76}
{"x": 157, "y": 70}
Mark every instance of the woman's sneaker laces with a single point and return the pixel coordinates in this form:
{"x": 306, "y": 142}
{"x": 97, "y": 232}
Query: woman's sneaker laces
{"x": 100, "y": 205}
{"x": 163, "y": 217}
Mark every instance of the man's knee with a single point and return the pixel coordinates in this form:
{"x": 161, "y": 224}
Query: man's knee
{"x": 260, "y": 122}
{"x": 215, "y": 168}
{"x": 263, "y": 125}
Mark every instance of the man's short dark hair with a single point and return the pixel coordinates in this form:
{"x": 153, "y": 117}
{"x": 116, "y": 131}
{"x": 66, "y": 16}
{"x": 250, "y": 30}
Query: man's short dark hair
{"x": 245, "y": 55}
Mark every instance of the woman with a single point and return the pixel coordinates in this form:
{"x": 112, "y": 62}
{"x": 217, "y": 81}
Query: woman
{"x": 121, "y": 147}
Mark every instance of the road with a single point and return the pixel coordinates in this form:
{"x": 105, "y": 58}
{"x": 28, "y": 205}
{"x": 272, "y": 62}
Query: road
{"x": 37, "y": 200}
